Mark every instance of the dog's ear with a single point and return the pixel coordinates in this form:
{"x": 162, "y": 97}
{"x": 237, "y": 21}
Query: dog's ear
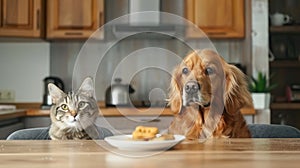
{"x": 175, "y": 100}
{"x": 237, "y": 93}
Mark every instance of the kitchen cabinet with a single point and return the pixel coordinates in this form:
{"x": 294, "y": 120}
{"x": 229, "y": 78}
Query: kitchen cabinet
{"x": 216, "y": 18}
{"x": 285, "y": 65}
{"x": 9, "y": 126}
{"x": 37, "y": 121}
{"x": 21, "y": 18}
{"x": 74, "y": 19}
{"x": 10, "y": 121}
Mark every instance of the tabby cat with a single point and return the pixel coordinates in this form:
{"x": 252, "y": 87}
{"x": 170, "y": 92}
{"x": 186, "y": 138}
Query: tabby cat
{"x": 73, "y": 114}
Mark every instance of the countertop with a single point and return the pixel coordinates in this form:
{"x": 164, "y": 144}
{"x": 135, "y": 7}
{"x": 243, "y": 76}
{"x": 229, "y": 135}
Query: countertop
{"x": 223, "y": 153}
{"x": 111, "y": 111}
{"x": 8, "y": 114}
{"x": 33, "y": 109}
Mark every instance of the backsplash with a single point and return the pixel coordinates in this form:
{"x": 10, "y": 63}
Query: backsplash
{"x": 23, "y": 66}
{"x": 144, "y": 63}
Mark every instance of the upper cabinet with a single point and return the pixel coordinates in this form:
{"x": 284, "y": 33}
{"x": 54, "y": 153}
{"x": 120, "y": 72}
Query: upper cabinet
{"x": 69, "y": 19}
{"x": 21, "y": 18}
{"x": 216, "y": 18}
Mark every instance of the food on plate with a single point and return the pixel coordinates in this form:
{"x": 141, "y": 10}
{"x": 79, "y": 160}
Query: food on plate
{"x": 164, "y": 137}
{"x": 144, "y": 133}
{"x": 149, "y": 133}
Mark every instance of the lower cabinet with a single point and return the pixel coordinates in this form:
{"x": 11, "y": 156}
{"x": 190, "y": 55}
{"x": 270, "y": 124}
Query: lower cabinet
{"x": 34, "y": 122}
{"x": 9, "y": 126}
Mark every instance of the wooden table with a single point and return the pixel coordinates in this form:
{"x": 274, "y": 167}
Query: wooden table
{"x": 223, "y": 153}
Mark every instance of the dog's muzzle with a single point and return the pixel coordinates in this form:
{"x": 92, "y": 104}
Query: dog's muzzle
{"x": 191, "y": 87}
{"x": 191, "y": 93}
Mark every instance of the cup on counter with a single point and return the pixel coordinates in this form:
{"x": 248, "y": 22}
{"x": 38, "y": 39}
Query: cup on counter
{"x": 279, "y": 19}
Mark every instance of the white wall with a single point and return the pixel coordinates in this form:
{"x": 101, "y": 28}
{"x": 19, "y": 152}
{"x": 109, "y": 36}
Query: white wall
{"x": 260, "y": 36}
{"x": 23, "y": 66}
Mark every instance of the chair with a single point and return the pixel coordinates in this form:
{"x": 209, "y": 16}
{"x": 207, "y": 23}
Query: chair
{"x": 273, "y": 131}
{"x": 42, "y": 134}
{"x": 30, "y": 134}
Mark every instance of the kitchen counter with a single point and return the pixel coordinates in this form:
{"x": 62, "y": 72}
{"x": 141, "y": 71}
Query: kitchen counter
{"x": 111, "y": 111}
{"x": 121, "y": 119}
{"x": 8, "y": 114}
{"x": 32, "y": 109}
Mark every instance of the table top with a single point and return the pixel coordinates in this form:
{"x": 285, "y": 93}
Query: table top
{"x": 212, "y": 153}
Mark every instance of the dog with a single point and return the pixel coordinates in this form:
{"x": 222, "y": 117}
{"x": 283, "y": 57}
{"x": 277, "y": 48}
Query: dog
{"x": 206, "y": 95}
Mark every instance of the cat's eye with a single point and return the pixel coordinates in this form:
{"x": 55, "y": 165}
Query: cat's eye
{"x": 64, "y": 107}
{"x": 81, "y": 104}
{"x": 209, "y": 71}
{"x": 185, "y": 70}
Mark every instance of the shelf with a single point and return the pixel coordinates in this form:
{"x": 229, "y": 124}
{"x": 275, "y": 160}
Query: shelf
{"x": 285, "y": 64}
{"x": 285, "y": 29}
{"x": 285, "y": 106}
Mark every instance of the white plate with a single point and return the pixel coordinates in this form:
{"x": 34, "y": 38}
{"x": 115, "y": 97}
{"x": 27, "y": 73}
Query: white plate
{"x": 125, "y": 142}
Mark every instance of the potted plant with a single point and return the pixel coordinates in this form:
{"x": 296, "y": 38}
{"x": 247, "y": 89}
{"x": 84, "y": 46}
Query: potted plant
{"x": 260, "y": 91}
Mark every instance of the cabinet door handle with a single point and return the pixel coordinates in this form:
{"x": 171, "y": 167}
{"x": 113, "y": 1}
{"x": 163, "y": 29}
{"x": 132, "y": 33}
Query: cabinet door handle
{"x": 100, "y": 19}
{"x": 73, "y": 33}
{"x": 38, "y": 19}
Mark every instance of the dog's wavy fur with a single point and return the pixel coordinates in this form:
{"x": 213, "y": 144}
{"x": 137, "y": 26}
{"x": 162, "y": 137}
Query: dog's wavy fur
{"x": 223, "y": 91}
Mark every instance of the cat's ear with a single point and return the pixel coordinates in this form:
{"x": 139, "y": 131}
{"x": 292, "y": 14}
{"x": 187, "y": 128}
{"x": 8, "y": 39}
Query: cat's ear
{"x": 55, "y": 93}
{"x": 87, "y": 87}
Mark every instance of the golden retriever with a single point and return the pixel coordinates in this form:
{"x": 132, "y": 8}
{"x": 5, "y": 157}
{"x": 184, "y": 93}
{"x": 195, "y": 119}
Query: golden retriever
{"x": 206, "y": 95}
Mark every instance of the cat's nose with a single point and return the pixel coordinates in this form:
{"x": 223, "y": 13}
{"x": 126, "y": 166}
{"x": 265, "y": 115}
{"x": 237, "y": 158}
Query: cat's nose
{"x": 73, "y": 113}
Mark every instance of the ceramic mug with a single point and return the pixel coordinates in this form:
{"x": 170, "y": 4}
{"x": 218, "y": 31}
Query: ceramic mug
{"x": 279, "y": 19}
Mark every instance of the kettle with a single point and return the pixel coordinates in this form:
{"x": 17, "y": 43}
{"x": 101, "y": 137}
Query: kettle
{"x": 118, "y": 94}
{"x": 47, "y": 101}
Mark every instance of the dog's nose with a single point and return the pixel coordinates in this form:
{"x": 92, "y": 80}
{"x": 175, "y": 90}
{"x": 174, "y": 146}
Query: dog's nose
{"x": 191, "y": 87}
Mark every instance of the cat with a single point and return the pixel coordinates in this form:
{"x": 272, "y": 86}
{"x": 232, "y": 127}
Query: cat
{"x": 73, "y": 114}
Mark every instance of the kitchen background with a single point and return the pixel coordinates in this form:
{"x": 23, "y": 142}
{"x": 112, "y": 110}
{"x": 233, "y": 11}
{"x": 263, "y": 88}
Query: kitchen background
{"x": 25, "y": 62}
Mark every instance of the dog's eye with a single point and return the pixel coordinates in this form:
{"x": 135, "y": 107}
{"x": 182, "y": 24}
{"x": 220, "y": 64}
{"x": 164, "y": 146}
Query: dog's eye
{"x": 185, "y": 70}
{"x": 209, "y": 71}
